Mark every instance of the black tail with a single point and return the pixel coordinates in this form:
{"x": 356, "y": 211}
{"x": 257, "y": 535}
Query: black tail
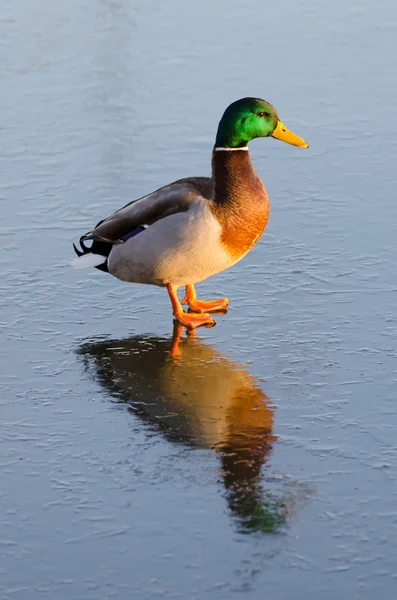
{"x": 102, "y": 248}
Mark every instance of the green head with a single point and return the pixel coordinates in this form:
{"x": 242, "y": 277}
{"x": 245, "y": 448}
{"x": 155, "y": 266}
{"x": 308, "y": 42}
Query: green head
{"x": 250, "y": 118}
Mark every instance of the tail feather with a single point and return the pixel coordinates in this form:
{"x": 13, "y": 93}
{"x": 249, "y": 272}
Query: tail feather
{"x": 88, "y": 260}
{"x": 78, "y": 252}
{"x": 94, "y": 256}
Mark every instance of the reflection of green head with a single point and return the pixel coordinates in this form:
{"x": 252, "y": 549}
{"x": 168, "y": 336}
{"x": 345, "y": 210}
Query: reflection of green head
{"x": 262, "y": 512}
{"x": 245, "y": 120}
{"x": 257, "y": 509}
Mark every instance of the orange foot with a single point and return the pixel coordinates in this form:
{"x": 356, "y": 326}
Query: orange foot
{"x": 187, "y": 320}
{"x": 200, "y": 306}
{"x": 193, "y": 321}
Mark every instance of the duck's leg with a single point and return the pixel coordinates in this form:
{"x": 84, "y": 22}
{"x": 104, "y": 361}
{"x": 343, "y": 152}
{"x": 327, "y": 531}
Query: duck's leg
{"x": 201, "y": 306}
{"x": 186, "y": 319}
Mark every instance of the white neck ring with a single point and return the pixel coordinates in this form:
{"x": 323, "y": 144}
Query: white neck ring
{"x": 231, "y": 149}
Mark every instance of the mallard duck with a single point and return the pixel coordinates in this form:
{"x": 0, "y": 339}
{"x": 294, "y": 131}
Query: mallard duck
{"x": 196, "y": 227}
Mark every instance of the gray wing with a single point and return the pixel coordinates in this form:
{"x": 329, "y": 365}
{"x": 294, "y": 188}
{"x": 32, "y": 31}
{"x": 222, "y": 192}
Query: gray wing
{"x": 168, "y": 200}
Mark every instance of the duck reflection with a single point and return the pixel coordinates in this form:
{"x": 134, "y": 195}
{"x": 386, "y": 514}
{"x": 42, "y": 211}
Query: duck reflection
{"x": 203, "y": 399}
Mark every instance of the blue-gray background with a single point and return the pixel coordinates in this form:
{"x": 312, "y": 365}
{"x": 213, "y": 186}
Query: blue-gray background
{"x": 103, "y": 101}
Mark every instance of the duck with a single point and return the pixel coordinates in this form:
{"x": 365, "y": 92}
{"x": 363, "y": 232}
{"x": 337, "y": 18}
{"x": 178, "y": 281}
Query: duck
{"x": 196, "y": 227}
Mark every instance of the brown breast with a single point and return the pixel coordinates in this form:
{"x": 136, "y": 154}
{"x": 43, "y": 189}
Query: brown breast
{"x": 240, "y": 201}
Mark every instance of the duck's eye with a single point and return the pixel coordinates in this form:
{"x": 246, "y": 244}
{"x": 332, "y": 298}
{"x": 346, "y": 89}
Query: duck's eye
{"x": 263, "y": 114}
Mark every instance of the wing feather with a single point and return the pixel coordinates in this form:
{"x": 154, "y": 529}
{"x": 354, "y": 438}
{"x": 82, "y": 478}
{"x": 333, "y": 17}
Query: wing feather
{"x": 166, "y": 201}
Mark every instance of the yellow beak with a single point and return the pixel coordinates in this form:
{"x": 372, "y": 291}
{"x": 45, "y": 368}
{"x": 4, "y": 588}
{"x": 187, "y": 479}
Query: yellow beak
{"x": 282, "y": 133}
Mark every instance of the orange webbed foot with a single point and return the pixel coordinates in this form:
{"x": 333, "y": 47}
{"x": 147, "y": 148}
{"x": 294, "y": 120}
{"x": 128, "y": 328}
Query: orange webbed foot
{"x": 201, "y": 306}
{"x": 192, "y": 321}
